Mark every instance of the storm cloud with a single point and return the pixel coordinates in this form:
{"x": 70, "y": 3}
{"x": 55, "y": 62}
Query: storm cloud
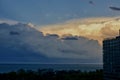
{"x": 32, "y": 42}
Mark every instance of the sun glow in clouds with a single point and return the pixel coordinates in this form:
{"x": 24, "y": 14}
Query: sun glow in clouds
{"x": 92, "y": 28}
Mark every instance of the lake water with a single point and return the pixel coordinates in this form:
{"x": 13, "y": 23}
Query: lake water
{"x": 34, "y": 67}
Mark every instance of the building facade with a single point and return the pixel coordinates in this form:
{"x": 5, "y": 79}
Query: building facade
{"x": 111, "y": 58}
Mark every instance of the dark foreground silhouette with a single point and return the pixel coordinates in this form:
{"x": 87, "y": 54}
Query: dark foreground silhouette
{"x": 49, "y": 74}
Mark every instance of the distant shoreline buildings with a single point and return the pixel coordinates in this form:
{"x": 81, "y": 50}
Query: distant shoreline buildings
{"x": 111, "y": 58}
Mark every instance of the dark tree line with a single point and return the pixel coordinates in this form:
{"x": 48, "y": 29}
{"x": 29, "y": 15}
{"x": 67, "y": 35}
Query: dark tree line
{"x": 49, "y": 74}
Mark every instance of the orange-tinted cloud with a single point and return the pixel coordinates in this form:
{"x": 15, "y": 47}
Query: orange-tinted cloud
{"x": 92, "y": 28}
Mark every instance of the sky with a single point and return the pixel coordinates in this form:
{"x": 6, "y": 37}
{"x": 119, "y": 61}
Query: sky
{"x": 44, "y": 12}
{"x": 56, "y": 31}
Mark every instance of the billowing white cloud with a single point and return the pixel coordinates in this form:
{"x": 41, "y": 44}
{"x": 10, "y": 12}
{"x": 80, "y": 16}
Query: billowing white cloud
{"x": 10, "y": 22}
{"x": 92, "y": 28}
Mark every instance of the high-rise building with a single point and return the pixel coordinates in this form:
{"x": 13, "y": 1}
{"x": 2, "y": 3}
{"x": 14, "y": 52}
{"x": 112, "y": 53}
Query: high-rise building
{"x": 111, "y": 58}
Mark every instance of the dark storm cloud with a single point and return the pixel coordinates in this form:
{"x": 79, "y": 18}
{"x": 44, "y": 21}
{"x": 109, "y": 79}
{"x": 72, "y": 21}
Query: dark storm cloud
{"x": 70, "y": 38}
{"x": 31, "y": 44}
{"x": 114, "y": 8}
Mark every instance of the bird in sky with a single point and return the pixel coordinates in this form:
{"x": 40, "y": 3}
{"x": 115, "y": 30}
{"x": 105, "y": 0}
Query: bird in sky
{"x": 91, "y": 2}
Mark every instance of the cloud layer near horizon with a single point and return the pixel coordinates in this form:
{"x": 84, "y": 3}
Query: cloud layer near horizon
{"x": 91, "y": 28}
{"x": 23, "y": 37}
